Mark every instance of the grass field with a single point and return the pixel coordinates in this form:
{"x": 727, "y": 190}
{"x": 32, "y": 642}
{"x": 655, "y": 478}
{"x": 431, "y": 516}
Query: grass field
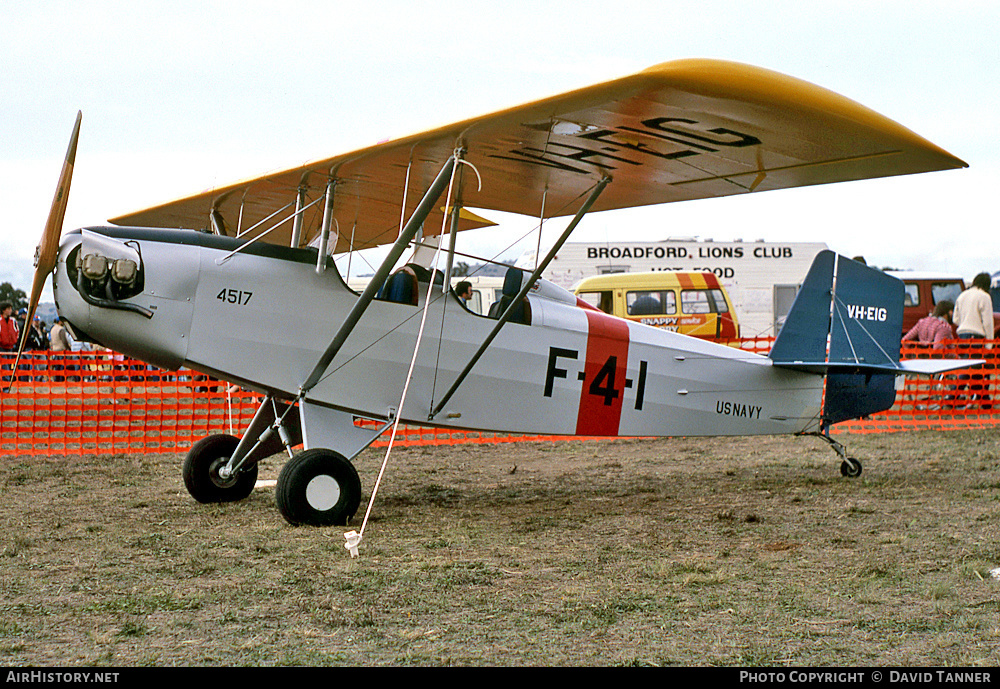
{"x": 748, "y": 551}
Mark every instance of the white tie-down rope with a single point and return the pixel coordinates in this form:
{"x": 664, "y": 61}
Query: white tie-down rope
{"x": 353, "y": 538}
{"x": 229, "y": 406}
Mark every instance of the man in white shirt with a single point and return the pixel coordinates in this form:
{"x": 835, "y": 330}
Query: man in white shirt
{"x": 973, "y": 315}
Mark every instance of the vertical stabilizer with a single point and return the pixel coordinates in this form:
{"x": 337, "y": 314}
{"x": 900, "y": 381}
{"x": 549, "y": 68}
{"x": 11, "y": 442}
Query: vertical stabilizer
{"x": 867, "y": 316}
{"x": 846, "y": 322}
{"x": 803, "y": 336}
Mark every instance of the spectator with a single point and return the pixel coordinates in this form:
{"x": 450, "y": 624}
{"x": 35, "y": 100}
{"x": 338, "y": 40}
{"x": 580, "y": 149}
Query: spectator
{"x": 37, "y": 337}
{"x": 59, "y": 339}
{"x": 933, "y": 329}
{"x": 974, "y": 321}
{"x": 974, "y": 310}
{"x": 9, "y": 330}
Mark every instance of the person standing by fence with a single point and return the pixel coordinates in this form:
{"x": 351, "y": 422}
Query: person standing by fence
{"x": 974, "y": 321}
{"x": 974, "y": 310}
{"x": 8, "y": 328}
{"x": 38, "y": 339}
{"x": 59, "y": 341}
{"x": 58, "y": 337}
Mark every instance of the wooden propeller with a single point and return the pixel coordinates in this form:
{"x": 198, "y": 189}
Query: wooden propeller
{"x": 48, "y": 249}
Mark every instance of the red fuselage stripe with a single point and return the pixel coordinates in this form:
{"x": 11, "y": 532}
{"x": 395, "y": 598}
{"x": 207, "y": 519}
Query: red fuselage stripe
{"x": 603, "y": 389}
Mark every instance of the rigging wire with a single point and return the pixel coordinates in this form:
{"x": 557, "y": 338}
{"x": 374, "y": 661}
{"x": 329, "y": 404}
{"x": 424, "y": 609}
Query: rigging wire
{"x": 220, "y": 261}
{"x": 538, "y": 227}
{"x": 541, "y": 221}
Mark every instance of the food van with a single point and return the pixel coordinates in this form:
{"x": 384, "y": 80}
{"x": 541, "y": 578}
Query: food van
{"x": 693, "y": 304}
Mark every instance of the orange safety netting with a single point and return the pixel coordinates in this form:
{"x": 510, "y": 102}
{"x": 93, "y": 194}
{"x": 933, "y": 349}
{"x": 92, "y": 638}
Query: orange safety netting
{"x": 76, "y": 403}
{"x": 954, "y": 400}
{"x": 102, "y": 403}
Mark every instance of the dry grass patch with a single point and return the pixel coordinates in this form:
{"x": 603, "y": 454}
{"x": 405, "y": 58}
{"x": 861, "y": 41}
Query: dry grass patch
{"x": 678, "y": 551}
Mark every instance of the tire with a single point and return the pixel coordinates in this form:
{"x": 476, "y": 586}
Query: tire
{"x": 850, "y": 468}
{"x": 201, "y": 471}
{"x": 318, "y": 487}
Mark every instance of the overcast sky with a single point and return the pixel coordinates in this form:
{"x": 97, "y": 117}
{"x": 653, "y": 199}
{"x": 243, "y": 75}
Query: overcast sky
{"x": 180, "y": 96}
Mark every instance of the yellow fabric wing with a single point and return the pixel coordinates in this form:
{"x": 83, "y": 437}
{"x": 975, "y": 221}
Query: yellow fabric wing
{"x": 680, "y": 130}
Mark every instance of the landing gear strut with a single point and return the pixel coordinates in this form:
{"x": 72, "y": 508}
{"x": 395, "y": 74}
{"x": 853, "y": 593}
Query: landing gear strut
{"x": 223, "y": 468}
{"x": 850, "y": 467}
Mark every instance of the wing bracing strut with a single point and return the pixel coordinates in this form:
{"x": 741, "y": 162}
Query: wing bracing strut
{"x": 525, "y": 288}
{"x": 413, "y": 225}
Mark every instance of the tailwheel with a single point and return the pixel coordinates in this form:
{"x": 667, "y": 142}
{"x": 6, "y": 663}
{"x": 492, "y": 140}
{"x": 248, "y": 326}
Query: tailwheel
{"x": 318, "y": 487}
{"x": 202, "y": 475}
{"x": 850, "y": 467}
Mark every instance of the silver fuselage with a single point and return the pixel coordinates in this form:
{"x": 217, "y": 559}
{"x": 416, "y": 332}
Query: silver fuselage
{"x": 264, "y": 317}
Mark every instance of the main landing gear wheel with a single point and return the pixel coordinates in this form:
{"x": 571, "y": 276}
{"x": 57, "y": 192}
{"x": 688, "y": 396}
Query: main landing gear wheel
{"x": 318, "y": 488}
{"x": 201, "y": 471}
{"x": 850, "y": 467}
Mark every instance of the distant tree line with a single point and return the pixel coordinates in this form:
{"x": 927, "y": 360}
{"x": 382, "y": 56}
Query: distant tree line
{"x": 13, "y": 296}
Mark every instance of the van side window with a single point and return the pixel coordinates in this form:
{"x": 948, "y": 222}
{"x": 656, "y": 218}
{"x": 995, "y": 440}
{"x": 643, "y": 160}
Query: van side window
{"x": 695, "y": 301}
{"x": 911, "y": 294}
{"x": 650, "y": 303}
{"x": 703, "y": 301}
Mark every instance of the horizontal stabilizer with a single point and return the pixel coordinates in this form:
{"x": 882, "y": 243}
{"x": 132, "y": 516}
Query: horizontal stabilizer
{"x": 908, "y": 367}
{"x": 824, "y": 367}
{"x": 930, "y": 367}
